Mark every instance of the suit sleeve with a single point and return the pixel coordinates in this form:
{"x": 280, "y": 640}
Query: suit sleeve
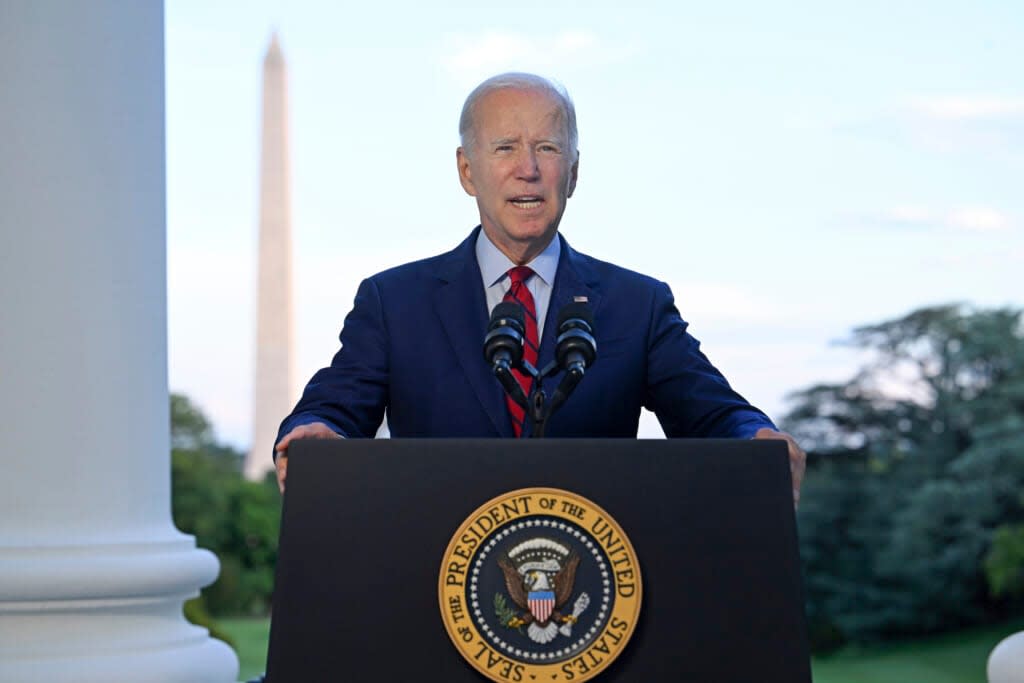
{"x": 350, "y": 395}
{"x": 689, "y": 395}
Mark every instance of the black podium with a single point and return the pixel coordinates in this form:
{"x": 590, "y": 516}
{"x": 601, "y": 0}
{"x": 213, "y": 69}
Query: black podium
{"x": 366, "y": 524}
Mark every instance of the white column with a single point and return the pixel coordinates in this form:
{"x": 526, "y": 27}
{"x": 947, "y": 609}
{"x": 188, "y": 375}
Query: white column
{"x": 1006, "y": 663}
{"x": 93, "y": 573}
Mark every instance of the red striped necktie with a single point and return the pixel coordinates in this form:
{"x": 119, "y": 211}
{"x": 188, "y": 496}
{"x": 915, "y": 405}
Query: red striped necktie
{"x": 520, "y": 293}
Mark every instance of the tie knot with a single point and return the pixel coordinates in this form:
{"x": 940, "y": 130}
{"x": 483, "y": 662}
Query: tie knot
{"x": 520, "y": 274}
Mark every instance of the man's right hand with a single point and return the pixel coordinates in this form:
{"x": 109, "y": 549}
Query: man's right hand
{"x": 315, "y": 430}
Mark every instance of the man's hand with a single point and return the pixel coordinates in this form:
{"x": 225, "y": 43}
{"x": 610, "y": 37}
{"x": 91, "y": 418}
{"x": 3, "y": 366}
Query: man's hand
{"x": 315, "y": 430}
{"x": 797, "y": 458}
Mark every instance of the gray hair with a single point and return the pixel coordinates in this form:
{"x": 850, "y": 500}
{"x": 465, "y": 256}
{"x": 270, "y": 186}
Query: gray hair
{"x": 516, "y": 81}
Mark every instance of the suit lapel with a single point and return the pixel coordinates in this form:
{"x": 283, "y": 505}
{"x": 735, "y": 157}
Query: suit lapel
{"x": 462, "y": 309}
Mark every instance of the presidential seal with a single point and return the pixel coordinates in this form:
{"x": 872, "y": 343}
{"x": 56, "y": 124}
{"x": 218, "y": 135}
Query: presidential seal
{"x": 540, "y": 585}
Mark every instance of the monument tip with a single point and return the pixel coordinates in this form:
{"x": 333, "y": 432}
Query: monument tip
{"x": 274, "y": 54}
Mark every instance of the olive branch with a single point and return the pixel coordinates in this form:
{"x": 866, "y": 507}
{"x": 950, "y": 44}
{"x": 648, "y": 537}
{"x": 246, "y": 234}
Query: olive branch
{"x": 504, "y": 613}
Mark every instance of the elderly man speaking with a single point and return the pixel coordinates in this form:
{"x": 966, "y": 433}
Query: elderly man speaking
{"x": 411, "y": 347}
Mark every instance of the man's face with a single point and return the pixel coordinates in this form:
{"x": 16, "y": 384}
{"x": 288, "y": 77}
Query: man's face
{"x": 519, "y": 168}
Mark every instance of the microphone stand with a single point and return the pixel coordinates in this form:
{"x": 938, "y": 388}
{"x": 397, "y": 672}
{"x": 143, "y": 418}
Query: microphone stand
{"x": 576, "y": 350}
{"x": 536, "y": 406}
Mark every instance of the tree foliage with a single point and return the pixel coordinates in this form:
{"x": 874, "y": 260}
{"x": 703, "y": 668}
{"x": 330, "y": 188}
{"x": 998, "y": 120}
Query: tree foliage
{"x": 1004, "y": 564}
{"x": 236, "y": 519}
{"x": 915, "y": 470}
{"x": 190, "y": 430}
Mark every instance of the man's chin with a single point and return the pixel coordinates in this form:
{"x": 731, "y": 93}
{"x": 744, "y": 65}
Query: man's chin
{"x": 532, "y": 230}
{"x": 534, "y": 238}
{"x": 522, "y": 234}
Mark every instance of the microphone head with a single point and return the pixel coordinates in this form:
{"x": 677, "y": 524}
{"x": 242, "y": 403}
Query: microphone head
{"x": 575, "y": 343}
{"x": 504, "y": 340}
{"x": 507, "y": 311}
{"x": 577, "y": 310}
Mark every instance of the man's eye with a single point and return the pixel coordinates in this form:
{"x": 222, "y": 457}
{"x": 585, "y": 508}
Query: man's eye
{"x": 503, "y": 148}
{"x": 549, "y": 148}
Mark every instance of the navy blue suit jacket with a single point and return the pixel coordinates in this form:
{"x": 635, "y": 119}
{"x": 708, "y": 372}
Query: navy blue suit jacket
{"x": 413, "y": 346}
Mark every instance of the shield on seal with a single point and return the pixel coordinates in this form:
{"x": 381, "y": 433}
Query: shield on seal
{"x": 541, "y": 604}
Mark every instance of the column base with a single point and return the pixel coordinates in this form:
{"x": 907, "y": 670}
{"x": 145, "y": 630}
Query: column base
{"x": 96, "y": 614}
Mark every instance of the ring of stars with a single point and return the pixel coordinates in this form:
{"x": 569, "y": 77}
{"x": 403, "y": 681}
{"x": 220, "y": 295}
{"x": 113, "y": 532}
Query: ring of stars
{"x": 604, "y": 608}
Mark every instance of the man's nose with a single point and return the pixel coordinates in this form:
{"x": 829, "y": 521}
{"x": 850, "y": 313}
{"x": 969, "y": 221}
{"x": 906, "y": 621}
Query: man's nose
{"x": 527, "y": 167}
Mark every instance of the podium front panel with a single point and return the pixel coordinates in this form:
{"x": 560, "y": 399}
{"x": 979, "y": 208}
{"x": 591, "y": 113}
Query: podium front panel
{"x": 366, "y": 524}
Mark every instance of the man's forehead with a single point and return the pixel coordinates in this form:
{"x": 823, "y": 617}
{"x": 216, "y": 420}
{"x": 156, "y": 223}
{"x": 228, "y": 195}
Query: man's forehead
{"x": 523, "y": 92}
{"x": 508, "y": 107}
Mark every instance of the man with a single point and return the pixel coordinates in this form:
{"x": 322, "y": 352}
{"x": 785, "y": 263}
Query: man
{"x": 412, "y": 344}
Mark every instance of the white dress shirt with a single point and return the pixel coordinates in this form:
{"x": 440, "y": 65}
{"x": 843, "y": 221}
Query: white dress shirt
{"x": 494, "y": 267}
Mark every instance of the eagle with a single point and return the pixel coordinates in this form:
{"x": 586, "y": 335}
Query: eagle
{"x": 519, "y": 587}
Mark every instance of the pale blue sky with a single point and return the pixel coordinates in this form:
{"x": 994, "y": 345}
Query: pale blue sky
{"x": 791, "y": 169}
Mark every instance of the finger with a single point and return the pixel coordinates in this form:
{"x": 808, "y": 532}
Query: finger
{"x": 314, "y": 430}
{"x": 798, "y": 460}
{"x": 321, "y": 431}
{"x": 282, "y": 445}
{"x": 282, "y": 473}
{"x": 297, "y": 433}
{"x": 798, "y": 466}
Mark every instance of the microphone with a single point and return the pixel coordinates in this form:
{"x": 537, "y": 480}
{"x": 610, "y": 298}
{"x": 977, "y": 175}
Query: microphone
{"x": 503, "y": 347}
{"x": 575, "y": 348}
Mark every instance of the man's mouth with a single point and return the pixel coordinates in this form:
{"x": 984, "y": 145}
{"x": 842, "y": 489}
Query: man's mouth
{"x": 529, "y": 201}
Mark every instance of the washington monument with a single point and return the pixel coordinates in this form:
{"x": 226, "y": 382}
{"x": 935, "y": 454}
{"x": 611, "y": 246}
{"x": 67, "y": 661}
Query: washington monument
{"x": 272, "y": 381}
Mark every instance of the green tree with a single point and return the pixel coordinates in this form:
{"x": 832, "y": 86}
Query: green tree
{"x": 236, "y": 519}
{"x": 915, "y": 462}
{"x": 190, "y": 430}
{"x": 1004, "y": 564}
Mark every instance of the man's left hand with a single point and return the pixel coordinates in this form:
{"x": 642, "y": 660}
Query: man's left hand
{"x": 797, "y": 458}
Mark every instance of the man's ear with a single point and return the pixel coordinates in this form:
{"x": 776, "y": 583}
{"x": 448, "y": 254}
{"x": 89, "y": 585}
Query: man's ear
{"x": 574, "y": 173}
{"x": 465, "y": 175}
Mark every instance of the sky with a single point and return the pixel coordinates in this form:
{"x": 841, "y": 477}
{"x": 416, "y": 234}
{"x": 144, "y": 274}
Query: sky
{"x": 791, "y": 169}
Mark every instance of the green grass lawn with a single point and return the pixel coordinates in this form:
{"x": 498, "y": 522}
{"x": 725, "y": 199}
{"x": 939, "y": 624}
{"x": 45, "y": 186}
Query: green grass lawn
{"x": 952, "y": 658}
{"x": 250, "y": 636}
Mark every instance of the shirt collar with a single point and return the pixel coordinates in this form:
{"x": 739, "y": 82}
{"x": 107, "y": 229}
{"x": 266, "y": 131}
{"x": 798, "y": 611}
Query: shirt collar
{"x": 494, "y": 264}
